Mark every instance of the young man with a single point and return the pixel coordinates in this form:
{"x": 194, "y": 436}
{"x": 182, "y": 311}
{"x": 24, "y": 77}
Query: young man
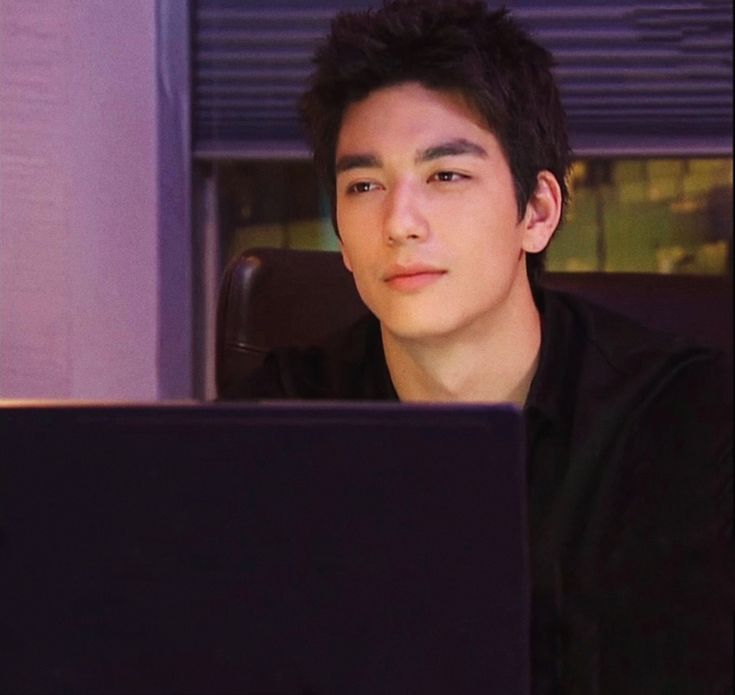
{"x": 439, "y": 134}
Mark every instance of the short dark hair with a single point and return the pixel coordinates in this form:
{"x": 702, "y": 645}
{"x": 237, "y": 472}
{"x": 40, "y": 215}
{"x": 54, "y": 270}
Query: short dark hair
{"x": 446, "y": 45}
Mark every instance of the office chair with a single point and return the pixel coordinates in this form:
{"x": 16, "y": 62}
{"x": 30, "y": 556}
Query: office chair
{"x": 277, "y": 297}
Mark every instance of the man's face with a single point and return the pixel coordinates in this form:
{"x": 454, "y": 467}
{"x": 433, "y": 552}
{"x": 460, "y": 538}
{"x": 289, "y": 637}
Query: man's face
{"x": 427, "y": 215}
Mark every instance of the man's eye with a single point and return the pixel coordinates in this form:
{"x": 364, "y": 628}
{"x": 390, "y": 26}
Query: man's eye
{"x": 361, "y": 187}
{"x": 447, "y": 176}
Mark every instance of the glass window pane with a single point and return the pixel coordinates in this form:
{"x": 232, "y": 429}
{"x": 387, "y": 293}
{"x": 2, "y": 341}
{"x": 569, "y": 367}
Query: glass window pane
{"x": 647, "y": 215}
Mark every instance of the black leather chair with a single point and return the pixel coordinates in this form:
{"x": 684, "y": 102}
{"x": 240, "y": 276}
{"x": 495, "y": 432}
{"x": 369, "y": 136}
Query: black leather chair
{"x": 277, "y": 297}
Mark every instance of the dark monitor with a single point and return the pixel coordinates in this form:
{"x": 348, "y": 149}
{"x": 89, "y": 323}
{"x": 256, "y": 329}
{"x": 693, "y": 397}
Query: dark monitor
{"x": 265, "y": 549}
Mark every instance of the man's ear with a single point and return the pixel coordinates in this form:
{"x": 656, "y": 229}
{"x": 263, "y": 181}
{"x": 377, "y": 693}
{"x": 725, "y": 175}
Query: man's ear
{"x": 345, "y": 257}
{"x": 543, "y": 212}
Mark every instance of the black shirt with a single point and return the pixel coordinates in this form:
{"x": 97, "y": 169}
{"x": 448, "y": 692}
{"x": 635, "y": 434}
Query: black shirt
{"x": 630, "y": 494}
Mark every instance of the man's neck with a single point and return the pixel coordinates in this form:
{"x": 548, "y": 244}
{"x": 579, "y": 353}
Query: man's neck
{"x": 493, "y": 360}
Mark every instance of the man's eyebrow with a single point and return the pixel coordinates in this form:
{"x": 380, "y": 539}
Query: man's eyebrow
{"x": 356, "y": 161}
{"x": 444, "y": 149}
{"x": 450, "y": 148}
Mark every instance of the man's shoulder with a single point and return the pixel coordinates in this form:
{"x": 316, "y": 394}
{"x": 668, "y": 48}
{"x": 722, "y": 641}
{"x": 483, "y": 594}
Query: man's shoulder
{"x": 627, "y": 346}
{"x": 604, "y": 373}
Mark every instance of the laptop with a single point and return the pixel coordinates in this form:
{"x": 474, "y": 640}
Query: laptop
{"x": 269, "y": 549}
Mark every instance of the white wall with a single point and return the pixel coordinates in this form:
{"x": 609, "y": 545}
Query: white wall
{"x": 78, "y": 200}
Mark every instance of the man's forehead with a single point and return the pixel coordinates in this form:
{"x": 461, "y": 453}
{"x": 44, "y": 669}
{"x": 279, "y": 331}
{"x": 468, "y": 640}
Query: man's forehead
{"x": 412, "y": 101}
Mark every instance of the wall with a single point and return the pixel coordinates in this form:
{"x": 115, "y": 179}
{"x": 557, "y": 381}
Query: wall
{"x": 79, "y": 214}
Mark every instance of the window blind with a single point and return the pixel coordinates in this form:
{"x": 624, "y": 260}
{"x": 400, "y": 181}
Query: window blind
{"x": 637, "y": 78}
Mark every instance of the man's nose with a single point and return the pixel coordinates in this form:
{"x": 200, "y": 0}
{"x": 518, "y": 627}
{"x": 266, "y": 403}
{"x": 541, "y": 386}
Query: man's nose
{"x": 404, "y": 218}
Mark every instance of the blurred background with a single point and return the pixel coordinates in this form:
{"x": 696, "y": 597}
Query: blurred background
{"x": 143, "y": 144}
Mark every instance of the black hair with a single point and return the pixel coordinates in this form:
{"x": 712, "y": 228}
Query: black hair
{"x": 446, "y": 45}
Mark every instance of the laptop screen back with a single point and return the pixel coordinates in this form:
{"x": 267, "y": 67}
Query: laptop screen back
{"x": 285, "y": 548}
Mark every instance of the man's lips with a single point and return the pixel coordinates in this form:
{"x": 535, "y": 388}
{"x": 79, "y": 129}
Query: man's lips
{"x": 412, "y": 277}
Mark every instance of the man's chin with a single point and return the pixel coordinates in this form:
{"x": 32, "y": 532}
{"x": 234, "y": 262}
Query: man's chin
{"x": 416, "y": 330}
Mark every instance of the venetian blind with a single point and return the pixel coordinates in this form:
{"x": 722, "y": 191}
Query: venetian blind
{"x": 636, "y": 77}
